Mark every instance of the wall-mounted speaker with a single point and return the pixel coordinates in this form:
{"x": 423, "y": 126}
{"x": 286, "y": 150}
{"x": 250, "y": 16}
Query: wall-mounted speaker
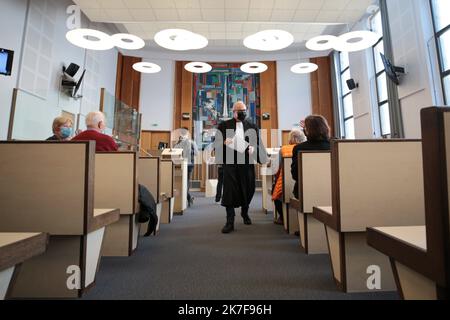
{"x": 352, "y": 85}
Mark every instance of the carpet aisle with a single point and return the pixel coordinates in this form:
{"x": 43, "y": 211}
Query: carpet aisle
{"x": 191, "y": 259}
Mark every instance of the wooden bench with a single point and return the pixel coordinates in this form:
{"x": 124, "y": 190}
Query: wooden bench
{"x": 420, "y": 255}
{"x": 374, "y": 182}
{"x": 289, "y": 213}
{"x": 314, "y": 189}
{"x": 149, "y": 176}
{"x": 167, "y": 170}
{"x": 179, "y": 177}
{"x": 15, "y": 248}
{"x": 268, "y": 173}
{"x": 49, "y": 187}
{"x": 116, "y": 186}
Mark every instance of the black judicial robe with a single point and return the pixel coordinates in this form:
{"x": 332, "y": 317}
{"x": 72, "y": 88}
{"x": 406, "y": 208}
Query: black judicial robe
{"x": 238, "y": 178}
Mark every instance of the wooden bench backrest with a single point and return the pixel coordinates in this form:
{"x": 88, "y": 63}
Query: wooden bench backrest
{"x": 288, "y": 182}
{"x": 167, "y": 176}
{"x": 46, "y": 187}
{"x": 149, "y": 175}
{"x": 116, "y": 181}
{"x": 377, "y": 182}
{"x": 314, "y": 170}
{"x": 436, "y": 150}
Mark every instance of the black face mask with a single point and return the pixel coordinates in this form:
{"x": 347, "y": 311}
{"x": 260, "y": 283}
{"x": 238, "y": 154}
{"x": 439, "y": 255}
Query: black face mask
{"x": 242, "y": 115}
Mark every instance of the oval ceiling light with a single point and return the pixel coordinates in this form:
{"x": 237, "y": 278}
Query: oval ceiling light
{"x": 322, "y": 43}
{"x": 146, "y": 67}
{"x": 269, "y": 40}
{"x": 180, "y": 40}
{"x": 128, "y": 41}
{"x": 254, "y": 67}
{"x": 90, "y": 39}
{"x": 305, "y": 67}
{"x": 198, "y": 67}
{"x": 356, "y": 41}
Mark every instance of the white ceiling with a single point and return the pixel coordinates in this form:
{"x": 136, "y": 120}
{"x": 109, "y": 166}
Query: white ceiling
{"x": 227, "y": 22}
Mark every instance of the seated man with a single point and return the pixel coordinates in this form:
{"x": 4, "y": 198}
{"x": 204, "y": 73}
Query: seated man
{"x": 95, "y": 123}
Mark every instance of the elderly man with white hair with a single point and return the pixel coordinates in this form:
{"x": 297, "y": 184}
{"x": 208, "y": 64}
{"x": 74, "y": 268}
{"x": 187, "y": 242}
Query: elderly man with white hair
{"x": 96, "y": 123}
{"x": 238, "y": 147}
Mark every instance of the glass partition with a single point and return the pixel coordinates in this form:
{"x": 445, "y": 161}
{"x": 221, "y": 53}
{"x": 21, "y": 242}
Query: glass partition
{"x": 31, "y": 117}
{"x": 123, "y": 122}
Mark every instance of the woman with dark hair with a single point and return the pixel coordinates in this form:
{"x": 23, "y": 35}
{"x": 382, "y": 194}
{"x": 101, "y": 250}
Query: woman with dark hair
{"x": 317, "y": 132}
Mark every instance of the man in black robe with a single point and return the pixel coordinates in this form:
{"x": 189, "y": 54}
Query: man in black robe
{"x": 238, "y": 147}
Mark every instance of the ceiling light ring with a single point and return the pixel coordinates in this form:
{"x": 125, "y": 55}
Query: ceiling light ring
{"x": 133, "y": 43}
{"x": 78, "y": 37}
{"x": 254, "y": 67}
{"x": 322, "y": 43}
{"x": 180, "y": 40}
{"x": 304, "y": 68}
{"x": 146, "y": 67}
{"x": 198, "y": 67}
{"x": 365, "y": 39}
{"x": 269, "y": 40}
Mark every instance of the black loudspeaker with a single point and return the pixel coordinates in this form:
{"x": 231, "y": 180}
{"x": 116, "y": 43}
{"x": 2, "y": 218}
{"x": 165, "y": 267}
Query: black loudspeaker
{"x": 72, "y": 69}
{"x": 352, "y": 85}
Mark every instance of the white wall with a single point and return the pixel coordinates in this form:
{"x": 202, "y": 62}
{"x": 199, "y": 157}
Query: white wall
{"x": 12, "y": 19}
{"x": 411, "y": 51}
{"x": 294, "y": 95}
{"x": 37, "y": 116}
{"x": 157, "y": 97}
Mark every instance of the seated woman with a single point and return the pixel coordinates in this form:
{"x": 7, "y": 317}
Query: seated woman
{"x": 62, "y": 129}
{"x": 295, "y": 137}
{"x": 317, "y": 132}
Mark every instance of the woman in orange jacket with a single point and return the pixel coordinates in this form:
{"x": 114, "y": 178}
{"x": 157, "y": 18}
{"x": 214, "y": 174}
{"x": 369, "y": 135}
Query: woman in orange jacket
{"x": 296, "y": 137}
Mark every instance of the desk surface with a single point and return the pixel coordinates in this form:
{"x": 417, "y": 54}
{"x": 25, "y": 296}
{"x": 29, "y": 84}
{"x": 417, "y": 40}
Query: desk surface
{"x": 103, "y": 217}
{"x": 327, "y": 210}
{"x": 411, "y": 235}
{"x": 18, "y": 247}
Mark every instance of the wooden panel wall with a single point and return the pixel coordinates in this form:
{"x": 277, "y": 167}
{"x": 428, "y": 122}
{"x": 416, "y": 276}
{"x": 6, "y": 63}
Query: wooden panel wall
{"x": 268, "y": 87}
{"x": 151, "y": 139}
{"x": 184, "y": 82}
{"x": 321, "y": 90}
{"x": 128, "y": 81}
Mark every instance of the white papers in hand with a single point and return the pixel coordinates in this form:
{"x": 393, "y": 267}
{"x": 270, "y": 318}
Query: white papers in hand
{"x": 239, "y": 144}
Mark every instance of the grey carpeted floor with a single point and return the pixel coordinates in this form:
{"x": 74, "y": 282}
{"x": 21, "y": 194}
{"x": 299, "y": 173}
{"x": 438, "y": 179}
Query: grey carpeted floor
{"x": 191, "y": 259}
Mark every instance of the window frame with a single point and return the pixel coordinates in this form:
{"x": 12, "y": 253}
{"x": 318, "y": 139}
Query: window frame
{"x": 437, "y": 35}
{"x": 342, "y": 96}
{"x": 378, "y": 74}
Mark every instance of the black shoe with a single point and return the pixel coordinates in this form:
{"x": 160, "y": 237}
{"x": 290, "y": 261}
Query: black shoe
{"x": 247, "y": 220}
{"x": 217, "y": 199}
{"x": 228, "y": 228}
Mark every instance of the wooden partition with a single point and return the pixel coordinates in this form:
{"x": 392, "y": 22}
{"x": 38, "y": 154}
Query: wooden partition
{"x": 49, "y": 187}
{"x": 419, "y": 253}
{"x": 268, "y": 174}
{"x": 289, "y": 213}
{"x": 167, "y": 190}
{"x": 150, "y": 140}
{"x": 374, "y": 182}
{"x": 149, "y": 176}
{"x": 116, "y": 185}
{"x": 15, "y": 248}
{"x": 314, "y": 189}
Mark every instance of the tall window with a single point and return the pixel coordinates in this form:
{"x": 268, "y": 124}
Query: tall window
{"x": 380, "y": 77}
{"x": 441, "y": 19}
{"x": 346, "y": 110}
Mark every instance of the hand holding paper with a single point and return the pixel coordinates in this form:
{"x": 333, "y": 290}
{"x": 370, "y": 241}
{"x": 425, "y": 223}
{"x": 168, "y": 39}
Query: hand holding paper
{"x": 239, "y": 144}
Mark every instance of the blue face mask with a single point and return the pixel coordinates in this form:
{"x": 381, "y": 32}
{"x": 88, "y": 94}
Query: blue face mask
{"x": 65, "y": 132}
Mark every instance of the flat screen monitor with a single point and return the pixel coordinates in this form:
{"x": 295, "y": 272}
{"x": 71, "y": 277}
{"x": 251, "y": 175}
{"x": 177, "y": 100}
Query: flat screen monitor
{"x": 6, "y": 61}
{"x": 391, "y": 70}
